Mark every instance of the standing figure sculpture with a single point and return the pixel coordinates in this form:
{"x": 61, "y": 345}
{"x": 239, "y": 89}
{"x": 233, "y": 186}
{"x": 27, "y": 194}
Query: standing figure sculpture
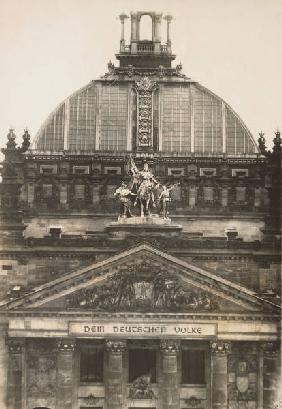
{"x": 165, "y": 198}
{"x": 144, "y": 183}
{"x": 124, "y": 195}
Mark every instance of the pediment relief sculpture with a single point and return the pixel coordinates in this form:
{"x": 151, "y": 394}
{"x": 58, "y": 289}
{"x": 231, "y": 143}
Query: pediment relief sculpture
{"x": 142, "y": 291}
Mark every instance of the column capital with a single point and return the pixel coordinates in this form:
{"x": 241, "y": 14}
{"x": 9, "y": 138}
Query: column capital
{"x": 169, "y": 346}
{"x": 115, "y": 346}
{"x": 66, "y": 345}
{"x": 220, "y": 347}
{"x": 270, "y": 348}
{"x": 15, "y": 345}
{"x": 134, "y": 16}
{"x": 158, "y": 17}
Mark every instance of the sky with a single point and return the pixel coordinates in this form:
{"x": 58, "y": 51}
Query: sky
{"x": 50, "y": 48}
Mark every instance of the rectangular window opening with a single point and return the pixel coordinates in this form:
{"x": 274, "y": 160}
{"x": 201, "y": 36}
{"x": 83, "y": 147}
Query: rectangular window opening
{"x": 91, "y": 364}
{"x": 193, "y": 367}
{"x": 7, "y": 267}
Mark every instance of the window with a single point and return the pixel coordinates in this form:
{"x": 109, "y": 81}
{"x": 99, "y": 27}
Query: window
{"x": 7, "y": 267}
{"x": 176, "y": 125}
{"x": 113, "y": 117}
{"x": 79, "y": 191}
{"x": 142, "y": 362}
{"x": 207, "y": 172}
{"x": 112, "y": 170}
{"x": 47, "y": 191}
{"x": 193, "y": 367}
{"x": 240, "y": 172}
{"x": 208, "y": 193}
{"x": 240, "y": 194}
{"x": 91, "y": 364}
{"x": 81, "y": 170}
{"x": 48, "y": 169}
{"x": 175, "y": 172}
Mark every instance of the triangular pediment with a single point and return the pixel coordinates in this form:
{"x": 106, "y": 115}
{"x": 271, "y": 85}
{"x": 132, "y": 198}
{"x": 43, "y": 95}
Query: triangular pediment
{"x": 142, "y": 279}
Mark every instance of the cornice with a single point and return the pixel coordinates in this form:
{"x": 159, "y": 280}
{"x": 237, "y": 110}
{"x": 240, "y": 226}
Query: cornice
{"x": 213, "y": 316}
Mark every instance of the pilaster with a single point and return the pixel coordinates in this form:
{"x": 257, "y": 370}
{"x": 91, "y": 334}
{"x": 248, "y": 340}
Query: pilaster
{"x": 65, "y": 373}
{"x": 3, "y": 367}
{"x": 271, "y": 374}
{"x": 219, "y": 351}
{"x": 114, "y": 382}
{"x": 15, "y": 376}
{"x": 169, "y": 385}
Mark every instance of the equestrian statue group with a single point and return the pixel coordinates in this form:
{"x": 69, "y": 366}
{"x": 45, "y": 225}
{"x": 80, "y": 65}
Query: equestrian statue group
{"x": 142, "y": 192}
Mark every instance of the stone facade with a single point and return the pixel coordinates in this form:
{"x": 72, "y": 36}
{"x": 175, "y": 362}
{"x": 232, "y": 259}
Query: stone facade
{"x": 180, "y": 313}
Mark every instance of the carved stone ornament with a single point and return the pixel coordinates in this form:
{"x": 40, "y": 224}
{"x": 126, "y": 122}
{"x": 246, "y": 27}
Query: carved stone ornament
{"x": 142, "y": 290}
{"x": 220, "y": 348}
{"x": 115, "y": 346}
{"x": 270, "y": 348}
{"x": 145, "y": 84}
{"x": 193, "y": 401}
{"x": 169, "y": 346}
{"x": 130, "y": 71}
{"x": 90, "y": 400}
{"x": 66, "y": 345}
{"x": 15, "y": 345}
{"x": 144, "y": 88}
{"x": 141, "y": 388}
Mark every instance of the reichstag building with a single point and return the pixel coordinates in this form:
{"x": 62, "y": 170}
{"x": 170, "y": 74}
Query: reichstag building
{"x": 140, "y": 246}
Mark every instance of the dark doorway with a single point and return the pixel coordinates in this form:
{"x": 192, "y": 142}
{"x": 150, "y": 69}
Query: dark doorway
{"x": 142, "y": 362}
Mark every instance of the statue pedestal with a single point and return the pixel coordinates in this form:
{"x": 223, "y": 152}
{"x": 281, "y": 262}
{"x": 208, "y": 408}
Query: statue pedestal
{"x": 143, "y": 226}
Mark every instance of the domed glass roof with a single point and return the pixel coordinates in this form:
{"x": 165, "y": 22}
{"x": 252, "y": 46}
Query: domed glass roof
{"x": 186, "y": 118}
{"x": 145, "y": 104}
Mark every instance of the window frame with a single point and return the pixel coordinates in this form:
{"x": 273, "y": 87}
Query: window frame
{"x": 155, "y": 351}
{"x": 100, "y": 349}
{"x": 194, "y": 349}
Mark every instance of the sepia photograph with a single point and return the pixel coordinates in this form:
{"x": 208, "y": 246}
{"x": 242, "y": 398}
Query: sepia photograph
{"x": 140, "y": 204}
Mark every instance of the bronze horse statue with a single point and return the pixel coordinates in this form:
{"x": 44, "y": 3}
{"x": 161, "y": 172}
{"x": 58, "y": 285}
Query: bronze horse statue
{"x": 145, "y": 198}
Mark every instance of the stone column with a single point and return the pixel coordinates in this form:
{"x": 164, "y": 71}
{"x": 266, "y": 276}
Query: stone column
{"x": 122, "y": 17}
{"x": 168, "y": 19}
{"x": 65, "y": 373}
{"x": 156, "y": 23}
{"x": 15, "y": 374}
{"x": 114, "y": 390}
{"x": 134, "y": 33}
{"x": 3, "y": 367}
{"x": 169, "y": 385}
{"x": 219, "y": 351}
{"x": 157, "y": 28}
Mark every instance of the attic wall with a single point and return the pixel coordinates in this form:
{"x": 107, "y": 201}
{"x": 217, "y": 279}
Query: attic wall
{"x": 251, "y": 274}
{"x": 35, "y": 270}
{"x": 249, "y": 229}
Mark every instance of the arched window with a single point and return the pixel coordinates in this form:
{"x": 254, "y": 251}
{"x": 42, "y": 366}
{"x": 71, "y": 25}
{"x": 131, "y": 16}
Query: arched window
{"x": 145, "y": 28}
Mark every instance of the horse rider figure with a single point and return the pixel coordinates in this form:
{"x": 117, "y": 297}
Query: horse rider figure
{"x": 144, "y": 182}
{"x": 124, "y": 195}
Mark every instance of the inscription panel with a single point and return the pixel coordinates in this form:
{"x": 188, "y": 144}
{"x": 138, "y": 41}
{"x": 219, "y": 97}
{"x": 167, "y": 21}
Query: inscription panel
{"x": 141, "y": 329}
